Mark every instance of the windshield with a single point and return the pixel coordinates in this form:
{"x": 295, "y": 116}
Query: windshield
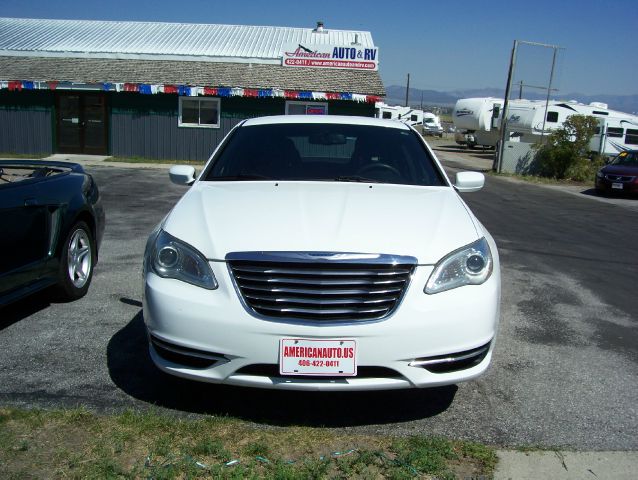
{"x": 331, "y": 152}
{"x": 626, "y": 159}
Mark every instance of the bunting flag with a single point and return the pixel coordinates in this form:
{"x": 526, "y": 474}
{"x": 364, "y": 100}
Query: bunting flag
{"x": 193, "y": 91}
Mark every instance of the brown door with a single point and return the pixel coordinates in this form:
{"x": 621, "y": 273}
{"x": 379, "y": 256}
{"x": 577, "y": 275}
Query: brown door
{"x": 81, "y": 122}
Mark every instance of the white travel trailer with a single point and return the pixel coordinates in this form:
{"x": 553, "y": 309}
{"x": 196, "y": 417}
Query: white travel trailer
{"x": 479, "y": 119}
{"x": 407, "y": 115}
{"x": 616, "y": 131}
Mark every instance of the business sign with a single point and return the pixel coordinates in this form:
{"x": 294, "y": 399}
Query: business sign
{"x": 330, "y": 56}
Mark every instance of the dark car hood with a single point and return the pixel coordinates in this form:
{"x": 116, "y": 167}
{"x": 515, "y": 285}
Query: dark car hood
{"x": 621, "y": 170}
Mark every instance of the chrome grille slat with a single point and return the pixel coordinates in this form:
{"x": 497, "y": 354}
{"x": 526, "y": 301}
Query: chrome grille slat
{"x": 310, "y": 281}
{"x": 321, "y": 291}
{"x": 322, "y": 301}
{"x": 313, "y": 272}
{"x": 320, "y": 286}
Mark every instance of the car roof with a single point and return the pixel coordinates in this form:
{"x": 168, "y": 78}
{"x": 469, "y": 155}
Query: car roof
{"x": 338, "y": 119}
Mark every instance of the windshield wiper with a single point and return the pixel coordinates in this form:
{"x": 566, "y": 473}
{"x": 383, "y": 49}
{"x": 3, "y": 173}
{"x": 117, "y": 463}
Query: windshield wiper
{"x": 241, "y": 176}
{"x": 356, "y": 178}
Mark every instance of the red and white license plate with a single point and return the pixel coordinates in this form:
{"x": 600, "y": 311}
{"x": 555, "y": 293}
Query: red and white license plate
{"x": 617, "y": 186}
{"x": 302, "y": 356}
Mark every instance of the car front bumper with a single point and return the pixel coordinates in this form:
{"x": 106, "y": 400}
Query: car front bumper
{"x": 244, "y": 350}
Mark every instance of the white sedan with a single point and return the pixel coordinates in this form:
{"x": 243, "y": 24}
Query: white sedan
{"x": 322, "y": 253}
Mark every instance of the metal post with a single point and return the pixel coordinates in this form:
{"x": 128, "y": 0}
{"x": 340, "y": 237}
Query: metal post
{"x": 520, "y": 90}
{"x": 549, "y": 91}
{"x": 407, "y": 91}
{"x": 501, "y": 147}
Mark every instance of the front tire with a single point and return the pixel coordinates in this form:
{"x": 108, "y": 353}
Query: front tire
{"x": 76, "y": 262}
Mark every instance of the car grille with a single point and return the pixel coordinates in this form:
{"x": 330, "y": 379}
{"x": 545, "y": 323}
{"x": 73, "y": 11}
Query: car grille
{"x": 619, "y": 178}
{"x": 320, "y": 287}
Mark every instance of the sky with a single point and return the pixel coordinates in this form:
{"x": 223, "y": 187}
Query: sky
{"x": 442, "y": 45}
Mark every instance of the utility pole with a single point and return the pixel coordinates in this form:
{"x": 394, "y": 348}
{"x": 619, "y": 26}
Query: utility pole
{"x": 407, "y": 91}
{"x": 501, "y": 146}
{"x": 549, "y": 92}
{"x": 421, "y": 99}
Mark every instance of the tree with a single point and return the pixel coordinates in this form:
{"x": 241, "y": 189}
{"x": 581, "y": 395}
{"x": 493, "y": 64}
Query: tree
{"x": 566, "y": 155}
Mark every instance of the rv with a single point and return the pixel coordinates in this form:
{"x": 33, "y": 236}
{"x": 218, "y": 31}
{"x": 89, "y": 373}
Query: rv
{"x": 616, "y": 131}
{"x": 407, "y": 115}
{"x": 478, "y": 122}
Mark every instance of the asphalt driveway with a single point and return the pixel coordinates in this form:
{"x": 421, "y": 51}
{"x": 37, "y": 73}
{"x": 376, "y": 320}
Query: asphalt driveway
{"x": 564, "y": 372}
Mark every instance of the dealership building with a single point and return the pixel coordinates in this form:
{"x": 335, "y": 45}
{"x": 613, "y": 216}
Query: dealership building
{"x": 169, "y": 90}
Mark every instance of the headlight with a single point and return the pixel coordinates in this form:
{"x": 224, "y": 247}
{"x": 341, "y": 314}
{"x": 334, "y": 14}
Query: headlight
{"x": 172, "y": 258}
{"x": 469, "y": 265}
{"x": 600, "y": 174}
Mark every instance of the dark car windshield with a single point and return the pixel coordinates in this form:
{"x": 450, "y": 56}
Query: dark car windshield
{"x": 629, "y": 159}
{"x": 331, "y": 152}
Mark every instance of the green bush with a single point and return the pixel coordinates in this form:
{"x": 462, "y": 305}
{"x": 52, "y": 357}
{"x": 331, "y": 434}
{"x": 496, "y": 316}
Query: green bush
{"x": 566, "y": 154}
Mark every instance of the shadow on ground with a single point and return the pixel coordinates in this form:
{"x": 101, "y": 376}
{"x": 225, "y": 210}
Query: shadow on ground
{"x": 24, "y": 308}
{"x": 132, "y": 370}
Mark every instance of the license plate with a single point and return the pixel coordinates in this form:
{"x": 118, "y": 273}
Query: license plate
{"x": 301, "y": 356}
{"x": 617, "y": 186}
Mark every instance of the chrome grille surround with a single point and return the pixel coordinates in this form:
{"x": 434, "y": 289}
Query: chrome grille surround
{"x": 619, "y": 178}
{"x": 320, "y": 287}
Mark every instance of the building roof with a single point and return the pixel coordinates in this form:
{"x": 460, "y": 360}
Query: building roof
{"x": 40, "y": 37}
{"x": 243, "y": 75}
{"x": 88, "y": 51}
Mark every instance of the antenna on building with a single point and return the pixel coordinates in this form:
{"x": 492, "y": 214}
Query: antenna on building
{"x": 319, "y": 28}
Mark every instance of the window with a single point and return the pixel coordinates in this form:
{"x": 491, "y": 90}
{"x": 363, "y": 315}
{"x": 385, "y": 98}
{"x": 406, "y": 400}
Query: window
{"x": 413, "y": 118}
{"x": 325, "y": 152}
{"x": 596, "y": 112}
{"x": 552, "y": 117}
{"x": 199, "y": 112}
{"x": 306, "y": 108}
{"x": 632, "y": 137}
{"x": 614, "y": 132}
{"x": 387, "y": 115}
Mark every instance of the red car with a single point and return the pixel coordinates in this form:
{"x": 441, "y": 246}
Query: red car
{"x": 620, "y": 175}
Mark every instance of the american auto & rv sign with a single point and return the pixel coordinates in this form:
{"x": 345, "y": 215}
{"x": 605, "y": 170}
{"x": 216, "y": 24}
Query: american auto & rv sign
{"x": 331, "y": 56}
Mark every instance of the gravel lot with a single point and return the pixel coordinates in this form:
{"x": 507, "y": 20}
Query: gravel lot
{"x": 564, "y": 372}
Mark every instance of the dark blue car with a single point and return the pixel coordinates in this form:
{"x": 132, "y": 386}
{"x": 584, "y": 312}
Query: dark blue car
{"x": 51, "y": 224}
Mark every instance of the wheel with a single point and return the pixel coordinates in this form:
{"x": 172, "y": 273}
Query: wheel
{"x": 76, "y": 262}
{"x": 378, "y": 166}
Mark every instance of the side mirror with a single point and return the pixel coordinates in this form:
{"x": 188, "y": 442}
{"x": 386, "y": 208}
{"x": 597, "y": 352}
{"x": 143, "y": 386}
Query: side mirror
{"x": 182, "y": 174}
{"x": 469, "y": 181}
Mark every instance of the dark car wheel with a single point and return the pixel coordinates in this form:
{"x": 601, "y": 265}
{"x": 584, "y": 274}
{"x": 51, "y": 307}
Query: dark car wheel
{"x": 76, "y": 262}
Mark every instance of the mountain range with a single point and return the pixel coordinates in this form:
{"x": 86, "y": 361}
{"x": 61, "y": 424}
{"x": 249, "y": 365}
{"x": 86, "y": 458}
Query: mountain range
{"x": 395, "y": 95}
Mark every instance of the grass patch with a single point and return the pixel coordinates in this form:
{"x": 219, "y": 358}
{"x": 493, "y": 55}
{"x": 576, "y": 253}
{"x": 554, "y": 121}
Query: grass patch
{"x": 80, "y": 444}
{"x": 155, "y": 160}
{"x": 542, "y": 180}
{"x": 27, "y": 156}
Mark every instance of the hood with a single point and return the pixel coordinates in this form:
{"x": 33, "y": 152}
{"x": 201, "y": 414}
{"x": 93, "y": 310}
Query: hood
{"x": 222, "y": 217}
{"x": 629, "y": 170}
